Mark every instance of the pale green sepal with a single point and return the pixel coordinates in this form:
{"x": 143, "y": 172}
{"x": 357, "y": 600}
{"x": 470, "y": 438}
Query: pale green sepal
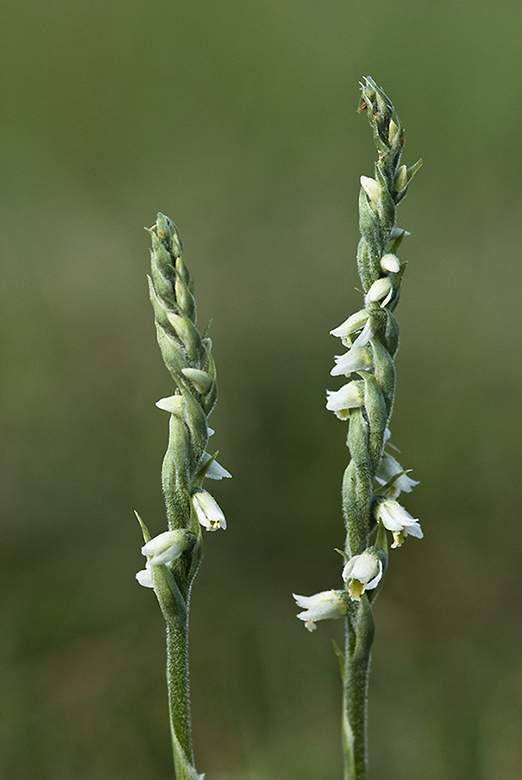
{"x": 144, "y": 530}
{"x": 172, "y": 352}
{"x": 340, "y": 656}
{"x": 172, "y": 604}
{"x": 410, "y": 173}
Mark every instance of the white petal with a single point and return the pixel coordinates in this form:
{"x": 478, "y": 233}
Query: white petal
{"x": 381, "y": 288}
{"x": 208, "y": 511}
{"x": 321, "y": 606}
{"x": 355, "y": 360}
{"x": 390, "y": 263}
{"x": 215, "y": 470}
{"x": 367, "y": 333}
{"x": 354, "y": 323}
{"x": 172, "y": 404}
{"x": 349, "y": 396}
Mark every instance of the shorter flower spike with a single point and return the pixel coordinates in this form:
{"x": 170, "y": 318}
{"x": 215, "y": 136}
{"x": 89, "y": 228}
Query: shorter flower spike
{"x": 208, "y": 511}
{"x": 363, "y": 572}
{"x": 329, "y": 604}
{"x": 396, "y": 519}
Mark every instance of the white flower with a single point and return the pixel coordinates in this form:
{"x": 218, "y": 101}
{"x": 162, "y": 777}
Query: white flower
{"x": 387, "y": 470}
{"x": 172, "y": 404}
{"x": 165, "y": 547}
{"x": 390, "y": 263}
{"x": 320, "y": 606}
{"x": 381, "y": 290}
{"x": 215, "y": 470}
{"x": 355, "y": 360}
{"x": 354, "y": 323}
{"x": 349, "y": 396}
{"x": 396, "y": 519}
{"x": 208, "y": 511}
{"x": 362, "y": 572}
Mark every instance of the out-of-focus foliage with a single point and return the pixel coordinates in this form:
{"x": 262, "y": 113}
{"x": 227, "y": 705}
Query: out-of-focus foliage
{"x": 237, "y": 119}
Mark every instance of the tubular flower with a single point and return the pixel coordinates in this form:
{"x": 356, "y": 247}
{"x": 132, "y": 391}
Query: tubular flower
{"x": 321, "y": 606}
{"x": 362, "y": 572}
{"x": 396, "y": 519}
{"x": 162, "y": 549}
{"x": 349, "y": 396}
{"x": 208, "y": 511}
{"x": 357, "y": 359}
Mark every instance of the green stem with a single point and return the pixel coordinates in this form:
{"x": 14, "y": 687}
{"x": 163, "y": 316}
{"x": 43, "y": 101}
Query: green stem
{"x": 359, "y": 638}
{"x": 179, "y": 695}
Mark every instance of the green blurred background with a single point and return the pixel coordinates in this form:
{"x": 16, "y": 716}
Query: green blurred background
{"x": 237, "y": 119}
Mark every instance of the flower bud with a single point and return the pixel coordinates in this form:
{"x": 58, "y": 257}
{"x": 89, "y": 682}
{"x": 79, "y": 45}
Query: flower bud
{"x": 200, "y": 379}
{"x": 372, "y": 188}
{"x": 390, "y": 263}
{"x": 172, "y": 404}
{"x": 381, "y": 290}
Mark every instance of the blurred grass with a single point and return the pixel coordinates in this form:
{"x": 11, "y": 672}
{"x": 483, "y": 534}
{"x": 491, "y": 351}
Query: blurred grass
{"x": 238, "y": 121}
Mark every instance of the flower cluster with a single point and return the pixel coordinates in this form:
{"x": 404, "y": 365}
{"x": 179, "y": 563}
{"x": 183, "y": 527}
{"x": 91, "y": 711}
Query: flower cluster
{"x": 187, "y": 355}
{"x": 374, "y": 479}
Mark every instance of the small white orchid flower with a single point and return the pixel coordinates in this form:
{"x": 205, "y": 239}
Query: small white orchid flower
{"x": 381, "y": 290}
{"x": 358, "y": 359}
{"x": 362, "y": 572}
{"x": 349, "y": 396}
{"x": 354, "y": 323}
{"x": 387, "y": 470}
{"x": 208, "y": 511}
{"x": 396, "y": 519}
{"x": 165, "y": 547}
{"x": 321, "y": 606}
{"x": 390, "y": 263}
